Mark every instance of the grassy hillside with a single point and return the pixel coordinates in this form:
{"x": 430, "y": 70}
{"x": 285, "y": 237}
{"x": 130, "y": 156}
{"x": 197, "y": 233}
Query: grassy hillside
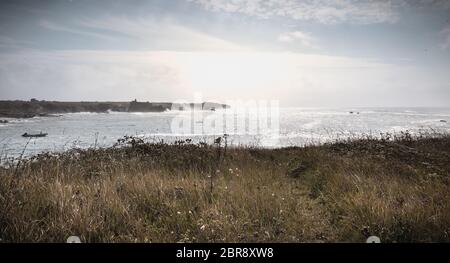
{"x": 395, "y": 188}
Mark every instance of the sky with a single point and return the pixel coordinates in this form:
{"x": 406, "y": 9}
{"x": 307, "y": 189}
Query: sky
{"x": 324, "y": 53}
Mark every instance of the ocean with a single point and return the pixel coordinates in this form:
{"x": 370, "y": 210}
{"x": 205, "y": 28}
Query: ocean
{"x": 295, "y": 127}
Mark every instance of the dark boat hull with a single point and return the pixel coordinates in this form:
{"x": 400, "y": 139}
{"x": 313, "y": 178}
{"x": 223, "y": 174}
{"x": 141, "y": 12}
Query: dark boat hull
{"x": 34, "y": 135}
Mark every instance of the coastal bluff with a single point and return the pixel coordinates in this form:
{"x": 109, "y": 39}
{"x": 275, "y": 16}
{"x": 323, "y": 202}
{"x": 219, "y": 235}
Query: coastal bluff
{"x": 32, "y": 108}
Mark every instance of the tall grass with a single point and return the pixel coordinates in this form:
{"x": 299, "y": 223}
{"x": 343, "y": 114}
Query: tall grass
{"x": 394, "y": 187}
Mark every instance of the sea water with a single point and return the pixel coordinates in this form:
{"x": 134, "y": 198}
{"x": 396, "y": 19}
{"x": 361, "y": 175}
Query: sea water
{"x": 296, "y": 127}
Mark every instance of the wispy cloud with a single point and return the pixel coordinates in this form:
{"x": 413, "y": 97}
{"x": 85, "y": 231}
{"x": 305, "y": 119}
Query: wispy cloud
{"x": 70, "y": 29}
{"x": 8, "y": 42}
{"x": 323, "y": 11}
{"x": 305, "y": 39}
{"x": 146, "y": 32}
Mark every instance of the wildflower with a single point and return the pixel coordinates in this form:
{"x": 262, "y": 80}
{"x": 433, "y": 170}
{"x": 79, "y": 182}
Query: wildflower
{"x": 203, "y": 227}
{"x": 178, "y": 212}
{"x": 273, "y": 194}
{"x": 230, "y": 170}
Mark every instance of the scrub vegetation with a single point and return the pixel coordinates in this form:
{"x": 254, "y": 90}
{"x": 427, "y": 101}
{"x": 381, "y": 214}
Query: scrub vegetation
{"x": 396, "y": 187}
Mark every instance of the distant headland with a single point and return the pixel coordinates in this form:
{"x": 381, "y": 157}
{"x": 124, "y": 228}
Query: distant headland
{"x": 33, "y": 107}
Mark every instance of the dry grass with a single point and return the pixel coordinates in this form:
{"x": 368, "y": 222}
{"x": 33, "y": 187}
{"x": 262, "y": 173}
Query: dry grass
{"x": 395, "y": 188}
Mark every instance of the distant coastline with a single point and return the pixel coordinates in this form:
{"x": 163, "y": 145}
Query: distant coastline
{"x": 33, "y": 108}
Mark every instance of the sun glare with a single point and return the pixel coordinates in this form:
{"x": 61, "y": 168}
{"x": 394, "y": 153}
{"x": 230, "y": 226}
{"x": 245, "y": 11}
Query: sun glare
{"x": 235, "y": 71}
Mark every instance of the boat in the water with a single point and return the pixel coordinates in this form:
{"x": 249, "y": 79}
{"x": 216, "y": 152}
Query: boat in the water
{"x": 34, "y": 135}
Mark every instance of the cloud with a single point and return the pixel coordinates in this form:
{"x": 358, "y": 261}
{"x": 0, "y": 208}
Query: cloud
{"x": 305, "y": 39}
{"x": 446, "y": 33}
{"x": 68, "y": 29}
{"x": 9, "y": 42}
{"x": 143, "y": 32}
{"x": 323, "y": 11}
{"x": 299, "y": 79}
{"x": 89, "y": 75}
{"x": 444, "y": 4}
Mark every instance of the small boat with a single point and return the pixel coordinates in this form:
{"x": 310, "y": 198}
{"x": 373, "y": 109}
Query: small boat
{"x": 34, "y": 135}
